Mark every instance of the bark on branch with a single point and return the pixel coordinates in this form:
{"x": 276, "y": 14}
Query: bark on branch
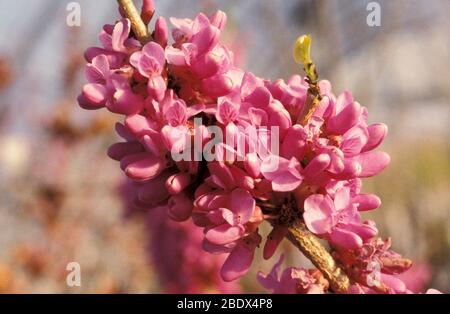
{"x": 137, "y": 25}
{"x": 311, "y": 247}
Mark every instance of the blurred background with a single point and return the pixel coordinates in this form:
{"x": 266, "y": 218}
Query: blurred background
{"x": 61, "y": 198}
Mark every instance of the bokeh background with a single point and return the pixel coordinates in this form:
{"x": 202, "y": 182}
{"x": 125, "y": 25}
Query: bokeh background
{"x": 61, "y": 197}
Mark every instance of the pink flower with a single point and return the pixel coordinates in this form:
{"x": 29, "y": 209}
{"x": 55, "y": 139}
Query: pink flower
{"x": 230, "y": 224}
{"x": 107, "y": 88}
{"x": 116, "y": 37}
{"x": 198, "y": 58}
{"x": 150, "y": 63}
{"x": 293, "y": 280}
{"x": 337, "y": 220}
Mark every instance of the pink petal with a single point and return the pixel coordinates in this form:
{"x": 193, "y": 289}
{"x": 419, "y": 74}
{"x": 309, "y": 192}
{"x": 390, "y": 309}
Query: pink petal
{"x": 377, "y": 133}
{"x": 273, "y": 240}
{"x": 161, "y": 34}
{"x": 155, "y": 51}
{"x": 365, "y": 231}
{"x": 294, "y": 143}
{"x": 206, "y": 39}
{"x": 87, "y": 105}
{"x": 157, "y": 87}
{"x": 372, "y": 163}
{"x": 252, "y": 165}
{"x": 260, "y": 97}
{"x": 242, "y": 204}
{"x": 118, "y": 151}
{"x": 153, "y": 192}
{"x": 242, "y": 179}
{"x": 145, "y": 169}
{"x": 367, "y": 201}
{"x": 147, "y": 11}
{"x": 120, "y": 34}
{"x": 237, "y": 263}
{"x": 394, "y": 283}
{"x": 271, "y": 281}
{"x": 227, "y": 112}
{"x": 207, "y": 65}
{"x": 219, "y": 20}
{"x": 216, "y": 86}
{"x": 345, "y": 119}
{"x": 176, "y": 183}
{"x": 316, "y": 166}
{"x": 126, "y": 102}
{"x": 342, "y": 199}
{"x": 180, "y": 207}
{"x": 345, "y": 239}
{"x": 354, "y": 140}
{"x": 176, "y": 114}
{"x": 224, "y": 234}
{"x": 258, "y": 117}
{"x": 175, "y": 56}
{"x": 318, "y": 213}
{"x": 96, "y": 94}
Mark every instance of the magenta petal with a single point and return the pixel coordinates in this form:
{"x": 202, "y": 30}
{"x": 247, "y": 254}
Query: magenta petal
{"x": 180, "y": 207}
{"x": 96, "y": 94}
{"x": 342, "y": 199}
{"x": 237, "y": 264}
{"x": 155, "y": 51}
{"x": 175, "y": 56}
{"x": 394, "y": 283}
{"x": 161, "y": 34}
{"x": 318, "y": 213}
{"x": 153, "y": 192}
{"x": 176, "y": 183}
{"x": 317, "y": 166}
{"x": 137, "y": 124}
{"x": 147, "y": 11}
{"x": 123, "y": 132}
{"x": 157, "y": 87}
{"x": 207, "y": 65}
{"x": 260, "y": 97}
{"x": 93, "y": 75}
{"x": 365, "y": 231}
{"x": 354, "y": 140}
{"x": 224, "y": 234}
{"x": 377, "y": 133}
{"x": 118, "y": 151}
{"x": 218, "y": 85}
{"x": 242, "y": 179}
{"x": 120, "y": 34}
{"x": 242, "y": 204}
{"x": 126, "y": 102}
{"x": 345, "y": 239}
{"x": 367, "y": 201}
{"x": 206, "y": 39}
{"x": 252, "y": 165}
{"x": 345, "y": 119}
{"x": 273, "y": 240}
{"x": 87, "y": 105}
{"x": 286, "y": 183}
{"x": 219, "y": 20}
{"x": 372, "y": 163}
{"x": 294, "y": 143}
{"x": 145, "y": 169}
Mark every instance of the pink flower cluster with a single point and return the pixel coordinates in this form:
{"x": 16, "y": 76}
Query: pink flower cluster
{"x": 315, "y": 175}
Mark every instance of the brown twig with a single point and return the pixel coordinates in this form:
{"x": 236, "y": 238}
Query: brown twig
{"x": 310, "y": 246}
{"x": 137, "y": 25}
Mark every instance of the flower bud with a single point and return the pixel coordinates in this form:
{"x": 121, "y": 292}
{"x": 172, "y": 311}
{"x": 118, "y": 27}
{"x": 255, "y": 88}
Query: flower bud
{"x": 302, "y": 50}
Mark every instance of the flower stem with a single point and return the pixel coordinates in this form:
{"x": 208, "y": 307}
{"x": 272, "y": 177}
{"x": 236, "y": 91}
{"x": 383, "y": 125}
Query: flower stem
{"x": 311, "y": 247}
{"x": 137, "y": 25}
